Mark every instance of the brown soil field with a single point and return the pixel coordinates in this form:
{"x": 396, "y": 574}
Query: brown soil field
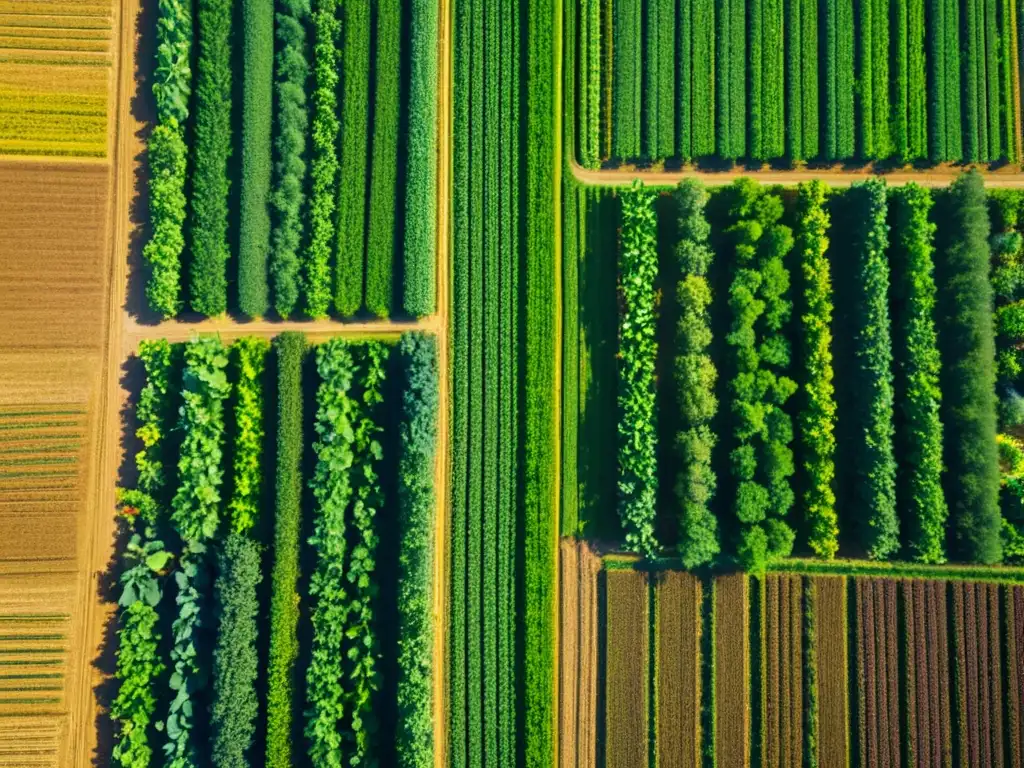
{"x": 55, "y": 75}
{"x": 782, "y": 671}
{"x": 832, "y": 664}
{"x": 627, "y": 670}
{"x": 732, "y": 671}
{"x": 678, "y": 625}
{"x": 877, "y": 670}
{"x": 1014, "y": 619}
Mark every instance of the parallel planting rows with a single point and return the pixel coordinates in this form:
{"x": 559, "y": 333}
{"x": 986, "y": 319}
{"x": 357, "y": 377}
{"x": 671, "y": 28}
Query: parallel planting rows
{"x": 342, "y": 533}
{"x": 335, "y": 181}
{"x": 795, "y": 668}
{"x": 809, "y": 371}
{"x": 906, "y": 81}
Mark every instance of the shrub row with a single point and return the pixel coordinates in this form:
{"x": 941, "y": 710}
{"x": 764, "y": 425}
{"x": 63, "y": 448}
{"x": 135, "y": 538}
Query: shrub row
{"x": 695, "y": 378}
{"x": 637, "y": 432}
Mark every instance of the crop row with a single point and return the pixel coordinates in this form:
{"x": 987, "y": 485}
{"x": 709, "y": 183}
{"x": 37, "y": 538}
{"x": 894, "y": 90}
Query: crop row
{"x": 818, "y": 390}
{"x": 745, "y": 80}
{"x": 361, "y": 227}
{"x": 212, "y": 563}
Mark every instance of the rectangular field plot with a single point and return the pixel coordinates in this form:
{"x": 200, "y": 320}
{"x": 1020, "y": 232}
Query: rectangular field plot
{"x": 782, "y": 672}
{"x": 732, "y": 671}
{"x": 830, "y": 621}
{"x": 678, "y": 624}
{"x": 927, "y": 692}
{"x": 877, "y": 670}
{"x": 580, "y": 568}
{"x": 627, "y": 669}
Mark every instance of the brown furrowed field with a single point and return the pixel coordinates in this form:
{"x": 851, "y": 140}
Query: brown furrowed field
{"x": 55, "y": 76}
{"x": 732, "y": 671}
{"x": 782, "y": 672}
{"x": 832, "y": 664}
{"x": 677, "y": 636}
{"x": 877, "y": 663}
{"x": 580, "y": 568}
{"x": 927, "y": 673}
{"x": 627, "y": 670}
{"x": 1014, "y": 622}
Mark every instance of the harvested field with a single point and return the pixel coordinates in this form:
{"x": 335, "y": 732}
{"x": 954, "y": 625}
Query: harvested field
{"x": 55, "y": 76}
{"x": 782, "y": 672}
{"x": 832, "y": 664}
{"x": 927, "y": 673}
{"x": 578, "y": 636}
{"x": 732, "y": 671}
{"x": 979, "y": 695}
{"x": 678, "y": 601}
{"x": 31, "y": 740}
{"x": 627, "y": 670}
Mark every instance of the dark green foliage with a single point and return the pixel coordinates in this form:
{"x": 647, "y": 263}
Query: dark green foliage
{"x": 284, "y": 578}
{"x": 254, "y": 191}
{"x": 817, "y": 402}
{"x": 355, "y": 110}
{"x": 767, "y": 99}
{"x": 417, "y": 501}
{"x": 839, "y": 80}
{"x": 380, "y": 243}
{"x": 937, "y": 76}
{"x": 324, "y": 169}
{"x": 873, "y": 79}
{"x": 235, "y": 661}
{"x": 967, "y": 347}
{"x": 627, "y": 68}
{"x": 167, "y": 167}
{"x": 919, "y": 430}
{"x": 702, "y": 64}
{"x": 637, "y": 443}
{"x": 138, "y": 666}
{"x": 874, "y": 465}
{"x": 211, "y": 152}
{"x": 250, "y": 361}
{"x": 730, "y": 70}
{"x": 794, "y": 10}
{"x": 291, "y": 74}
{"x": 420, "y": 279}
{"x": 809, "y": 79}
{"x": 695, "y": 377}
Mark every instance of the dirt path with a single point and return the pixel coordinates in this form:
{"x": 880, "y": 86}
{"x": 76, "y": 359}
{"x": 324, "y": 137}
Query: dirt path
{"x": 940, "y": 177}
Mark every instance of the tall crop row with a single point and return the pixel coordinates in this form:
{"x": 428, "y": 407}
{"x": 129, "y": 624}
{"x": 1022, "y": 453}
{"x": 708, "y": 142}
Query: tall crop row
{"x": 257, "y": 129}
{"x": 731, "y": 669}
{"x": 833, "y": 700}
{"x": 144, "y": 509}
{"x": 695, "y": 378}
{"x": 782, "y": 695}
{"x": 678, "y": 629}
{"x": 627, "y": 68}
{"x": 637, "y": 444}
{"x": 627, "y": 669}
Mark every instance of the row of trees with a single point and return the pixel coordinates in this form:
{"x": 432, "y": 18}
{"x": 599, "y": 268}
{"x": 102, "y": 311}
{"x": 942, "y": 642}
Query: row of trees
{"x": 893, "y": 84}
{"x": 212, "y": 562}
{"x": 340, "y": 246}
{"x": 895, "y": 449}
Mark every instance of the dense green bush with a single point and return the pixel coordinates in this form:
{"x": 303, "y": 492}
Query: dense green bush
{"x": 967, "y": 347}
{"x": 211, "y": 152}
{"x": 874, "y": 465}
{"x": 167, "y": 167}
{"x": 419, "y": 248}
{"x": 919, "y": 432}
{"x": 417, "y": 501}
{"x": 138, "y": 666}
{"x": 291, "y": 74}
{"x": 695, "y": 377}
{"x": 250, "y": 362}
{"x": 284, "y": 578}
{"x": 817, "y": 413}
{"x": 235, "y": 660}
{"x": 324, "y": 168}
{"x": 254, "y": 187}
{"x": 637, "y": 444}
{"x": 380, "y": 238}
{"x": 355, "y": 124}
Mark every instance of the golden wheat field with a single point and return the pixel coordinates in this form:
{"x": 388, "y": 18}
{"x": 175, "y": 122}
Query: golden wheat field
{"x": 55, "y": 75}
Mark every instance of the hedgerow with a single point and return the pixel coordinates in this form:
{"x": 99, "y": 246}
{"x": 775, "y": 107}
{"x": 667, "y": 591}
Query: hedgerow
{"x": 637, "y": 443}
{"x": 383, "y": 196}
{"x": 919, "y": 432}
{"x": 324, "y": 168}
{"x": 420, "y": 281}
{"x": 416, "y": 503}
{"x": 139, "y": 665}
{"x": 290, "y": 348}
{"x": 817, "y": 413}
{"x": 291, "y": 74}
{"x": 695, "y": 377}
{"x": 172, "y": 88}
{"x": 211, "y": 152}
{"x": 257, "y": 143}
{"x": 235, "y": 660}
{"x": 967, "y": 349}
{"x": 355, "y": 110}
{"x": 874, "y": 465}
{"x": 196, "y": 516}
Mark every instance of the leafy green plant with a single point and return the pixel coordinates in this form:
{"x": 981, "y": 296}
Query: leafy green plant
{"x": 167, "y": 166}
{"x": 637, "y": 444}
{"x": 695, "y": 377}
{"x": 817, "y": 414}
{"x": 250, "y": 363}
